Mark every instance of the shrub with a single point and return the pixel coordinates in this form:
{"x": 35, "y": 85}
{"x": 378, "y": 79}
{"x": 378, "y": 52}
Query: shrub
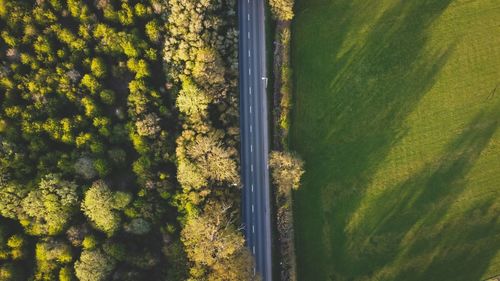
{"x": 107, "y": 97}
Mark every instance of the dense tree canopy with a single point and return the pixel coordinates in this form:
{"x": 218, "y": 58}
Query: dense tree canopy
{"x": 118, "y": 129}
{"x": 87, "y": 137}
{"x": 11, "y": 195}
{"x": 51, "y": 256}
{"x": 200, "y": 49}
{"x": 49, "y": 207}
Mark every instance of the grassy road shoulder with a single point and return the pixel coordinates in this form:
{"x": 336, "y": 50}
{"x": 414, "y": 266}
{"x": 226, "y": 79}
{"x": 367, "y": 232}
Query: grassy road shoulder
{"x": 285, "y": 166}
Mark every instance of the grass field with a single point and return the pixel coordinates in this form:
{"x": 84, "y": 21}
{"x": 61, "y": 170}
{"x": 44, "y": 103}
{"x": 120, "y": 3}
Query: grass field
{"x": 397, "y": 118}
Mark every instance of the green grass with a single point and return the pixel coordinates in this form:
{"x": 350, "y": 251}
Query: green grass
{"x": 396, "y": 117}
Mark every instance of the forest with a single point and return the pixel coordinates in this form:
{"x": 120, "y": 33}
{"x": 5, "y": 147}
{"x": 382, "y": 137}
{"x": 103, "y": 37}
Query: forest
{"x": 119, "y": 141}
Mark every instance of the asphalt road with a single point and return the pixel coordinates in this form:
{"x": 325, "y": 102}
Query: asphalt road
{"x": 255, "y": 134}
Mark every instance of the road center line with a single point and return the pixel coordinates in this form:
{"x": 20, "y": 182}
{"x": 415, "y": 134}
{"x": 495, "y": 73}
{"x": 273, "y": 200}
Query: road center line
{"x": 253, "y": 209}
{"x": 251, "y": 148}
{"x": 250, "y": 109}
{"x": 249, "y": 53}
{"x": 251, "y": 168}
{"x": 249, "y": 71}
{"x": 250, "y": 128}
{"x": 253, "y": 228}
{"x": 250, "y": 90}
{"x": 253, "y": 250}
{"x": 249, "y": 17}
{"x": 248, "y": 34}
{"x": 252, "y": 187}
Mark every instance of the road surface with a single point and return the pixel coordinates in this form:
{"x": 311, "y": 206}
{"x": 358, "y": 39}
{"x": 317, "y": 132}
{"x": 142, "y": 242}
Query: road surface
{"x": 254, "y": 134}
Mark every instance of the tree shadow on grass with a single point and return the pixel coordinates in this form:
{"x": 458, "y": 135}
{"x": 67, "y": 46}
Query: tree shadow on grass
{"x": 364, "y": 96}
{"x": 409, "y": 232}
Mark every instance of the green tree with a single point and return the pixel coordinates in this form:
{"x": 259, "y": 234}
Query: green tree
{"x": 11, "y": 195}
{"x": 141, "y": 10}
{"x": 286, "y": 170}
{"x": 102, "y": 206}
{"x": 192, "y": 101}
{"x": 50, "y": 256}
{"x": 126, "y": 15}
{"x": 208, "y": 69}
{"x": 98, "y": 67}
{"x": 90, "y": 107}
{"x": 115, "y": 249}
{"x": 91, "y": 83}
{"x": 102, "y": 167}
{"x": 211, "y": 237}
{"x": 76, "y": 233}
{"x": 49, "y": 208}
{"x": 282, "y": 9}
{"x": 17, "y": 246}
{"x": 3, "y": 8}
{"x": 189, "y": 175}
{"x": 211, "y": 240}
{"x": 89, "y": 242}
{"x": 107, "y": 97}
{"x": 238, "y": 267}
{"x": 215, "y": 161}
{"x": 84, "y": 167}
{"x": 142, "y": 167}
{"x": 103, "y": 125}
{"x": 153, "y": 30}
{"x": 148, "y": 125}
{"x": 94, "y": 265}
{"x": 66, "y": 274}
{"x": 140, "y": 67}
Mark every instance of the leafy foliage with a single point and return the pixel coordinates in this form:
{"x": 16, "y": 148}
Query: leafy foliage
{"x": 282, "y": 9}
{"x": 87, "y": 119}
{"x": 50, "y": 256}
{"x": 216, "y": 246}
{"x": 200, "y": 50}
{"x": 287, "y": 169}
{"x": 101, "y": 206}
{"x": 11, "y": 195}
{"x": 50, "y": 207}
{"x": 94, "y": 265}
{"x": 82, "y": 100}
